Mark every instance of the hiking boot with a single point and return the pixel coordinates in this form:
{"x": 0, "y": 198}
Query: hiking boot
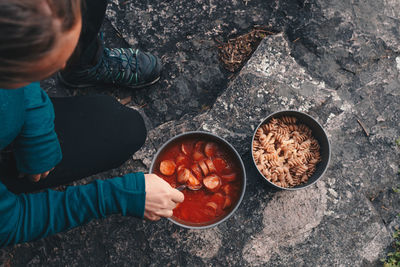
{"x": 119, "y": 66}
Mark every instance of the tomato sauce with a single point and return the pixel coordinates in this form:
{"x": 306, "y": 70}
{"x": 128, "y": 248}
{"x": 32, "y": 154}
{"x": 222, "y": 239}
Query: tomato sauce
{"x": 205, "y": 159}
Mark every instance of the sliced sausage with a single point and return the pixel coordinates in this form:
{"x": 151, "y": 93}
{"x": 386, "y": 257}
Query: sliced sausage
{"x": 203, "y": 167}
{"x": 199, "y": 146}
{"x": 186, "y": 149}
{"x": 229, "y": 177}
{"x": 196, "y": 170}
{"x": 211, "y": 208}
{"x": 182, "y": 159}
{"x": 210, "y": 165}
{"x": 183, "y": 176}
{"x": 227, "y": 203}
{"x": 210, "y": 149}
{"x": 197, "y": 155}
{"x": 212, "y": 182}
{"x": 228, "y": 189}
{"x": 167, "y": 167}
{"x": 180, "y": 168}
{"x": 220, "y": 164}
{"x": 193, "y": 183}
{"x": 218, "y": 198}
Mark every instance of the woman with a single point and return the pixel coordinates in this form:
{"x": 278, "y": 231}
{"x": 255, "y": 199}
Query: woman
{"x": 57, "y": 141}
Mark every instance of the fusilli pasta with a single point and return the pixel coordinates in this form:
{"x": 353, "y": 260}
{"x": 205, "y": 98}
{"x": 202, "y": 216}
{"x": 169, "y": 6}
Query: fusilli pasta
{"x": 285, "y": 152}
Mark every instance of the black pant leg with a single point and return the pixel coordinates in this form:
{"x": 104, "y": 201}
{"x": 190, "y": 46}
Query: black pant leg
{"x": 89, "y": 47}
{"x": 96, "y": 134}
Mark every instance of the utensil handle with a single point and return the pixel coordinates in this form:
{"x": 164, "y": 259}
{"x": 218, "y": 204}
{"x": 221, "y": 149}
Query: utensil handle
{"x": 181, "y": 187}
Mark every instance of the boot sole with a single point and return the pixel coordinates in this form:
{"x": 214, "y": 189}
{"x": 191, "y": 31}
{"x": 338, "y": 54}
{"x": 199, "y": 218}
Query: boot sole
{"x": 59, "y": 76}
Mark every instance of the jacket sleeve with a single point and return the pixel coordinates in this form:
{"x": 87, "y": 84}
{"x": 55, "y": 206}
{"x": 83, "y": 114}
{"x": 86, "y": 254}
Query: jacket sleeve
{"x": 29, "y": 217}
{"x": 37, "y": 148}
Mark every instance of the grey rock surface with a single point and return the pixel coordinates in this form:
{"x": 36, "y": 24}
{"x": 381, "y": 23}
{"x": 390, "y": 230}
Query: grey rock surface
{"x": 338, "y": 61}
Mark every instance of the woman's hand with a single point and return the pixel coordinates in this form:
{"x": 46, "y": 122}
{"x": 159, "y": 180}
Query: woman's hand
{"x": 37, "y": 177}
{"x": 161, "y": 198}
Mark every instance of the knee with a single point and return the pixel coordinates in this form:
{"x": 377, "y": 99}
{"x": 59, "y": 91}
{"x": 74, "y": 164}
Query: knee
{"x": 127, "y": 121}
{"x": 136, "y": 129}
{"x": 140, "y": 128}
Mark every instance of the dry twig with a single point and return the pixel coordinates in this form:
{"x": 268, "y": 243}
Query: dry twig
{"x": 237, "y": 51}
{"x": 363, "y": 127}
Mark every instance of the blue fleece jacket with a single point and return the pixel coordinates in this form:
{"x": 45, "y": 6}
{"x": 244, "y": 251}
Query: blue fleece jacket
{"x": 27, "y": 120}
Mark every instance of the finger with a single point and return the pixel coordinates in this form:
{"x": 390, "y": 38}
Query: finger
{"x": 177, "y": 196}
{"x": 153, "y": 218}
{"x": 35, "y": 177}
{"x": 170, "y": 205}
{"x": 44, "y": 175}
{"x": 165, "y": 213}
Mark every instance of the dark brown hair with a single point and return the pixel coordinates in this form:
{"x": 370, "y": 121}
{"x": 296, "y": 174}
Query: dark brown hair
{"x": 28, "y": 30}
